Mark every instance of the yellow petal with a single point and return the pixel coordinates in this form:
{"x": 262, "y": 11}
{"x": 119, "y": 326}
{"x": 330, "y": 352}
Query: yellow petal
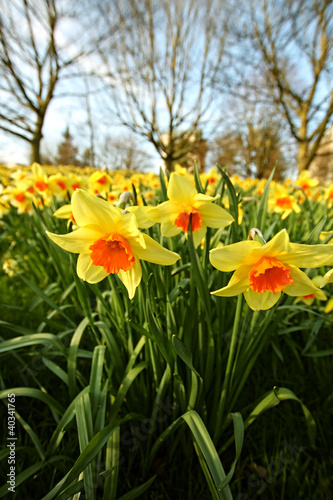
{"x": 87, "y": 271}
{"x": 238, "y": 284}
{"x": 131, "y": 278}
{"x": 142, "y": 215}
{"x": 215, "y": 216}
{"x": 320, "y": 295}
{"x": 199, "y": 234}
{"x": 127, "y": 226}
{"x": 89, "y": 209}
{"x": 301, "y": 286}
{"x": 261, "y": 301}
{"x": 230, "y": 257}
{"x": 309, "y": 255}
{"x": 166, "y": 211}
{"x": 63, "y": 212}
{"x": 327, "y": 278}
{"x": 201, "y": 199}
{"x": 180, "y": 189}
{"x": 276, "y": 247}
{"x": 154, "y": 252}
{"x": 168, "y": 229}
{"x": 329, "y": 306}
{"x": 77, "y": 241}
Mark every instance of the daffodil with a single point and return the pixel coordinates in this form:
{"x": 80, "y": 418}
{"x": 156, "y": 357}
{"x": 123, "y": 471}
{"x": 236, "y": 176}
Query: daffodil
{"x": 281, "y": 202}
{"x": 99, "y": 182}
{"x": 109, "y": 242}
{"x": 185, "y": 203}
{"x": 263, "y": 271}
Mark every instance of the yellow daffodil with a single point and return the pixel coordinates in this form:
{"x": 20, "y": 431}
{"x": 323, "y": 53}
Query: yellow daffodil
{"x": 281, "y": 202}
{"x": 99, "y": 182}
{"x": 58, "y": 185}
{"x": 184, "y": 202}
{"x": 306, "y": 182}
{"x": 262, "y": 272}
{"x": 109, "y": 242}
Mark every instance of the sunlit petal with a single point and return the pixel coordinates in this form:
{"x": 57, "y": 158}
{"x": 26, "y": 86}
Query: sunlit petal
{"x": 309, "y": 255}
{"x": 199, "y": 235}
{"x": 238, "y": 283}
{"x": 301, "y": 286}
{"x": 154, "y": 252}
{"x": 327, "y": 278}
{"x": 180, "y": 189}
{"x": 215, "y": 216}
{"x": 277, "y": 247}
{"x": 77, "y": 241}
{"x": 230, "y": 257}
{"x": 89, "y": 209}
{"x": 261, "y": 301}
{"x": 131, "y": 278}
{"x": 87, "y": 271}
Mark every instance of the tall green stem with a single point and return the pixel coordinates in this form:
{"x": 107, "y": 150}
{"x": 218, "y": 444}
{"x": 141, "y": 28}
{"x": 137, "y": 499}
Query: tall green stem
{"x": 232, "y": 352}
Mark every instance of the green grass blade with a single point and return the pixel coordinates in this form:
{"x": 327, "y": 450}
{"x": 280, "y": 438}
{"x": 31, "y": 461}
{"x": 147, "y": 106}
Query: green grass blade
{"x": 96, "y": 377}
{"x": 34, "y": 393}
{"x": 184, "y": 354}
{"x": 72, "y": 355}
{"x": 263, "y": 203}
{"x": 136, "y": 492}
{"x": 36, "y": 338}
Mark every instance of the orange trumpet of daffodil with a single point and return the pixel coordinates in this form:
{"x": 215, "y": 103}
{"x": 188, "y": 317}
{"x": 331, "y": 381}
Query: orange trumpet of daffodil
{"x": 262, "y": 272}
{"x": 109, "y": 242}
{"x": 184, "y": 201}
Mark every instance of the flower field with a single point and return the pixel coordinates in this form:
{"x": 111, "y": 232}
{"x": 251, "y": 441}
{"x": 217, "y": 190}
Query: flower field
{"x": 151, "y": 325}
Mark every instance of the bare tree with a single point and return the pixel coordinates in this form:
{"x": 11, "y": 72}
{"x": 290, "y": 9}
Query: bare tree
{"x": 160, "y": 74}
{"x": 295, "y": 41}
{"x": 124, "y": 152}
{"x": 38, "y": 45}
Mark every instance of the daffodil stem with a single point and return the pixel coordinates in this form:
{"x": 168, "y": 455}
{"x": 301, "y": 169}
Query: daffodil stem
{"x": 228, "y": 371}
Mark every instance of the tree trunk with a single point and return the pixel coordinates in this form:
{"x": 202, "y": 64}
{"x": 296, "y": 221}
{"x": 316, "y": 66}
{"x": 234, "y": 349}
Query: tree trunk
{"x": 302, "y": 157}
{"x": 35, "y": 149}
{"x": 36, "y": 140}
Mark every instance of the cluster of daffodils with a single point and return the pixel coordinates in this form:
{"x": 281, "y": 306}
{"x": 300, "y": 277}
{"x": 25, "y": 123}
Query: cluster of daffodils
{"x": 24, "y": 188}
{"x": 39, "y": 186}
{"x": 109, "y": 241}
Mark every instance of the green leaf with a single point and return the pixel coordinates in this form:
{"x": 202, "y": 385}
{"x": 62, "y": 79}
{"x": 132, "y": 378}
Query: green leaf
{"x": 46, "y": 299}
{"x": 34, "y": 393}
{"x": 86, "y": 457}
{"x": 233, "y": 202}
{"x": 209, "y": 452}
{"x": 184, "y": 354}
{"x": 21, "y": 477}
{"x": 135, "y": 492}
{"x": 197, "y": 179}
{"x": 72, "y": 355}
{"x": 198, "y": 273}
{"x": 163, "y": 186}
{"x": 160, "y": 338}
{"x": 263, "y": 202}
{"x": 239, "y": 440}
{"x": 313, "y": 239}
{"x": 36, "y": 338}
{"x": 96, "y": 377}
{"x": 66, "y": 418}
